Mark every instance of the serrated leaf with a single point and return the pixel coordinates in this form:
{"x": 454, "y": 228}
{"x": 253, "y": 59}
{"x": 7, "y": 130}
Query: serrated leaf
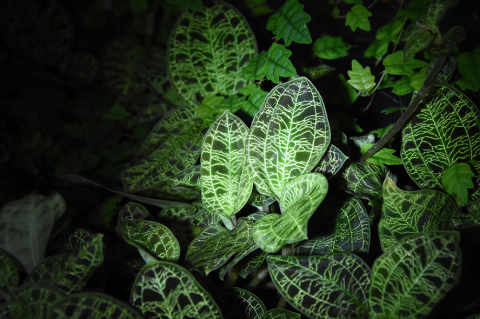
{"x": 238, "y": 303}
{"x": 218, "y": 41}
{"x": 394, "y": 65}
{"x": 361, "y": 78}
{"x": 456, "y": 179}
{"x": 280, "y": 314}
{"x": 402, "y": 86}
{"x": 332, "y": 162}
{"x": 278, "y": 63}
{"x": 290, "y": 23}
{"x": 391, "y": 30}
{"x": 255, "y": 69}
{"x": 172, "y": 146}
{"x": 357, "y": 17}
{"x": 443, "y": 132}
{"x": 254, "y": 102}
{"x": 165, "y": 290}
{"x": 152, "y": 237}
{"x": 377, "y": 49}
{"x": 469, "y": 66}
{"x": 351, "y": 233}
{"x": 226, "y": 176}
{"x": 300, "y": 199}
{"x": 417, "y": 80}
{"x": 232, "y": 103}
{"x": 408, "y": 213}
{"x": 330, "y": 48}
{"x": 26, "y": 225}
{"x": 413, "y": 276}
{"x": 190, "y": 178}
{"x": 214, "y": 247}
{"x": 38, "y": 299}
{"x": 384, "y": 156}
{"x": 93, "y": 305}
{"x": 330, "y": 286}
{"x": 226, "y": 268}
{"x": 288, "y": 136}
{"x": 8, "y": 273}
{"x": 208, "y": 106}
{"x": 69, "y": 273}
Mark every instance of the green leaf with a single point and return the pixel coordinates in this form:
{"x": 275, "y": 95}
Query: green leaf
{"x": 238, "y": 303}
{"x": 288, "y": 136}
{"x": 38, "y": 299}
{"x": 69, "y": 240}
{"x": 218, "y": 42}
{"x": 189, "y": 179}
{"x": 232, "y": 103}
{"x": 253, "y": 264}
{"x": 445, "y": 74}
{"x": 330, "y": 286}
{"x": 319, "y": 71}
{"x": 226, "y": 268}
{"x": 172, "y": 146}
{"x": 134, "y": 211}
{"x": 152, "y": 237}
{"x": 413, "y": 276}
{"x": 383, "y": 156}
{"x": 361, "y": 78}
{"x": 278, "y": 63}
{"x": 351, "y": 233}
{"x": 357, "y": 17}
{"x": 417, "y": 8}
{"x": 207, "y": 108}
{"x": 215, "y": 245}
{"x": 256, "y": 67}
{"x": 290, "y": 23}
{"x": 391, "y": 30}
{"x": 203, "y": 218}
{"x": 377, "y": 49}
{"x": 166, "y": 290}
{"x": 456, "y": 179}
{"x": 469, "y": 66}
{"x": 382, "y": 131}
{"x": 8, "y": 273}
{"x": 402, "y": 86}
{"x": 330, "y": 48}
{"x": 226, "y": 176}
{"x": 69, "y": 273}
{"x": 442, "y": 133}
{"x": 300, "y": 199}
{"x": 435, "y": 13}
{"x": 418, "y": 41}
{"x": 418, "y": 79}
{"x": 332, "y": 162}
{"x": 393, "y": 64}
{"x": 349, "y": 95}
{"x": 254, "y": 102}
{"x": 117, "y": 113}
{"x": 170, "y": 214}
{"x": 407, "y": 213}
{"x": 26, "y": 225}
{"x": 388, "y": 111}
{"x": 93, "y": 305}
{"x": 280, "y": 314}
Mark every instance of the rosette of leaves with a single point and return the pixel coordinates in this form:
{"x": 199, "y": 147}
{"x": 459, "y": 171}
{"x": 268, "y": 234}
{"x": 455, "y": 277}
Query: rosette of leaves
{"x": 206, "y": 51}
{"x": 443, "y": 133}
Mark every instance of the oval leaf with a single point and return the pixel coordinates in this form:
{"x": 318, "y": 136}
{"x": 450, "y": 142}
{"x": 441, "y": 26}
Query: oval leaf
{"x": 238, "y": 303}
{"x": 38, "y": 299}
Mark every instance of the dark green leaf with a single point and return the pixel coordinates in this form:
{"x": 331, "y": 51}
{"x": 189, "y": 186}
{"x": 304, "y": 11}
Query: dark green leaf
{"x": 254, "y": 102}
{"x": 290, "y": 23}
{"x": 469, "y": 66}
{"x": 383, "y": 156}
{"x": 278, "y": 63}
{"x": 8, "y": 273}
{"x": 330, "y": 48}
{"x": 38, "y": 299}
{"x": 256, "y": 67}
{"x": 402, "y": 86}
{"x": 391, "y": 30}
{"x": 394, "y": 65}
{"x": 417, "y": 8}
{"x": 357, "y": 17}
{"x": 457, "y": 179}
{"x": 332, "y": 162}
{"x": 377, "y": 49}
{"x": 190, "y": 179}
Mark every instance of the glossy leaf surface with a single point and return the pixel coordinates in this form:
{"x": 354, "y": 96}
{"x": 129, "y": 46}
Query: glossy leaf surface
{"x": 253, "y": 264}
{"x": 238, "y": 303}
{"x": 330, "y": 286}
{"x": 361, "y": 78}
{"x": 226, "y": 176}
{"x": 289, "y": 23}
{"x": 413, "y": 276}
{"x": 408, "y": 213}
{"x": 300, "y": 200}
{"x": 26, "y": 225}
{"x": 165, "y": 290}
{"x": 288, "y": 136}
{"x": 134, "y": 211}
{"x": 357, "y": 17}
{"x": 190, "y": 178}
{"x": 217, "y": 42}
{"x": 241, "y": 255}
{"x": 255, "y": 69}
{"x": 332, "y": 162}
{"x": 443, "y": 132}
{"x": 351, "y": 233}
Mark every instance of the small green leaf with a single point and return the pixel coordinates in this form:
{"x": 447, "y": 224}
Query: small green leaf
{"x": 377, "y": 49}
{"x": 40, "y": 300}
{"x": 329, "y": 286}
{"x": 416, "y": 80}
{"x": 382, "y": 131}
{"x": 469, "y": 66}
{"x": 330, "y": 48}
{"x": 393, "y": 64}
{"x": 8, "y": 273}
{"x": 456, "y": 179}
{"x": 255, "y": 69}
{"x": 117, "y": 113}
{"x": 319, "y": 71}
{"x": 402, "y": 86}
{"x": 361, "y": 78}
{"x": 357, "y": 17}
{"x": 383, "y": 156}
{"x": 391, "y": 30}
{"x": 290, "y": 23}
{"x": 413, "y": 276}
{"x": 278, "y": 63}
{"x": 280, "y": 314}
{"x": 254, "y": 102}
{"x": 208, "y": 107}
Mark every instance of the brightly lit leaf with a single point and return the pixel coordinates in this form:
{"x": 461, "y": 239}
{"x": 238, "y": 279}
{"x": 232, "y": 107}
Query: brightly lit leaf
{"x": 278, "y": 63}
{"x": 361, "y": 78}
{"x": 357, "y": 17}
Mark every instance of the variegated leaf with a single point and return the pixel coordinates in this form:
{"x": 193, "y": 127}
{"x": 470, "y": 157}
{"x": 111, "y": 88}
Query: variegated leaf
{"x": 69, "y": 273}
{"x": 238, "y": 303}
{"x": 332, "y": 162}
{"x": 443, "y": 132}
{"x": 152, "y": 237}
{"x": 408, "y": 213}
{"x": 190, "y": 179}
{"x": 38, "y": 299}
{"x": 218, "y": 42}
{"x": 69, "y": 241}
{"x": 214, "y": 246}
{"x": 351, "y": 233}
{"x": 263, "y": 200}
{"x": 165, "y": 290}
{"x": 26, "y": 225}
{"x": 171, "y": 214}
{"x": 226, "y": 176}
{"x": 330, "y": 286}
{"x": 280, "y": 314}
{"x": 134, "y": 211}
{"x": 14, "y": 309}
{"x": 172, "y": 146}
{"x": 467, "y": 221}
{"x": 301, "y": 198}
{"x": 8, "y": 273}
{"x": 203, "y": 218}
{"x": 93, "y": 305}
{"x": 414, "y": 275}
{"x": 226, "y": 268}
{"x": 288, "y": 136}
{"x": 254, "y": 263}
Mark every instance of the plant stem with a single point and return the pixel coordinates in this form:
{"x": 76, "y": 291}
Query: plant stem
{"x": 281, "y": 302}
{"x": 259, "y": 276}
{"x": 429, "y": 80}
{"x": 287, "y": 250}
